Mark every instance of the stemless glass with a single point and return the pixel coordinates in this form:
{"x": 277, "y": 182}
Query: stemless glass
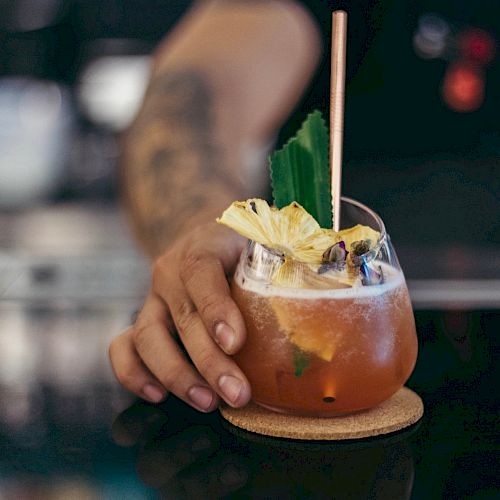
{"x": 323, "y": 351}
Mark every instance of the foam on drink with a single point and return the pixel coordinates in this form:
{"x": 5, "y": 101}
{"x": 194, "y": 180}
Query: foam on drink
{"x": 392, "y": 279}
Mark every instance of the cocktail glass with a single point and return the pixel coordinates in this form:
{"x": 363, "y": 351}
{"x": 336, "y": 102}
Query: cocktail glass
{"x": 323, "y": 350}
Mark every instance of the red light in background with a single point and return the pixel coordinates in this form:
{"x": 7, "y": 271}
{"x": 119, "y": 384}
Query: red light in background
{"x": 463, "y": 87}
{"x": 476, "y": 45}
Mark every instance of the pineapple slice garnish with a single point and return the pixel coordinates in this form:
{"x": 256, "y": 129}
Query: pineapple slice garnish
{"x": 291, "y": 230}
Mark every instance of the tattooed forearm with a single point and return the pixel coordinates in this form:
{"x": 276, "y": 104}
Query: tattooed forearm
{"x": 225, "y": 79}
{"x": 173, "y": 167}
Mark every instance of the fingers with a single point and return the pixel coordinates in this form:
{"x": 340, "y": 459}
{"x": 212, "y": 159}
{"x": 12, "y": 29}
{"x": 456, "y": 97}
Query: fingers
{"x": 148, "y": 362}
{"x": 207, "y": 286}
{"x": 218, "y": 369}
{"x": 131, "y": 371}
{"x": 199, "y": 300}
{"x": 192, "y": 295}
{"x": 163, "y": 357}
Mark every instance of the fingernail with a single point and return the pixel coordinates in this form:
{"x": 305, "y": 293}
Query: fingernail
{"x": 201, "y": 397}
{"x": 231, "y": 387}
{"x": 224, "y": 335}
{"x": 153, "y": 393}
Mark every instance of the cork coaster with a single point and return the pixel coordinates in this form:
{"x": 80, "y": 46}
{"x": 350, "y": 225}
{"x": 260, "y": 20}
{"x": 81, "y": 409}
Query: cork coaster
{"x": 401, "y": 410}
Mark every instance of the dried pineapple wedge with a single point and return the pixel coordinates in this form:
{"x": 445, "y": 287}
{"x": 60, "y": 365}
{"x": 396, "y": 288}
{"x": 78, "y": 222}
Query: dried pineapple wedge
{"x": 308, "y": 334}
{"x": 291, "y": 230}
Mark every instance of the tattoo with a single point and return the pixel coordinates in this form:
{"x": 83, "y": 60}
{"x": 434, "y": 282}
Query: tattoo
{"x": 173, "y": 168}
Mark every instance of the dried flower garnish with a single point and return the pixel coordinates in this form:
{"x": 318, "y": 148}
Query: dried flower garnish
{"x": 335, "y": 253}
{"x": 334, "y": 258}
{"x": 371, "y": 277}
{"x": 359, "y": 248}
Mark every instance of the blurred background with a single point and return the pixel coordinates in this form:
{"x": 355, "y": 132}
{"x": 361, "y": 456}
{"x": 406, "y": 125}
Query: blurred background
{"x": 422, "y": 138}
{"x": 422, "y": 147}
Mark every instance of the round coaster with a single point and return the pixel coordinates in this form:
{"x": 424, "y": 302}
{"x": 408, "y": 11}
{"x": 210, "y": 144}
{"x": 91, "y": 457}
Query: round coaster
{"x": 401, "y": 410}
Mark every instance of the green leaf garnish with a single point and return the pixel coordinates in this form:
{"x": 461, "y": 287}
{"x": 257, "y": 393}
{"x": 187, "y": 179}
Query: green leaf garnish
{"x": 300, "y": 361}
{"x": 300, "y": 171}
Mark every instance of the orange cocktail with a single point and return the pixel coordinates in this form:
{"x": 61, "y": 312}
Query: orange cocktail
{"x": 326, "y": 348}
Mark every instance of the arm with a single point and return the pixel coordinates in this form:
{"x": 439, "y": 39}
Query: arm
{"x": 222, "y": 84}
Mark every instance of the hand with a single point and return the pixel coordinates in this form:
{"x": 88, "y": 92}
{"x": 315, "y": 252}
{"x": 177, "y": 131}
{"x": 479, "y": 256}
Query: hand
{"x": 188, "y": 315}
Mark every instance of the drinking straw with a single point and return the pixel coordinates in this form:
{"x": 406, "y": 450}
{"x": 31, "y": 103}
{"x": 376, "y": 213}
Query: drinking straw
{"x": 337, "y": 91}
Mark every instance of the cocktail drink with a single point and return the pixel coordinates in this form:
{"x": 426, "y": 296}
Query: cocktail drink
{"x": 326, "y": 340}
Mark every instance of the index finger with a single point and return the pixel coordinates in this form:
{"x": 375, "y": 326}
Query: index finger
{"x": 206, "y": 284}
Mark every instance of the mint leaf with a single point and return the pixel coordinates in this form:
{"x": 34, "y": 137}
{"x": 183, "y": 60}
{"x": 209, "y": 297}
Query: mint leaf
{"x": 300, "y": 361}
{"x": 300, "y": 171}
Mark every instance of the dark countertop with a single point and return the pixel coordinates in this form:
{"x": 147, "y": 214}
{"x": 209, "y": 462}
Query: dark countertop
{"x": 68, "y": 431}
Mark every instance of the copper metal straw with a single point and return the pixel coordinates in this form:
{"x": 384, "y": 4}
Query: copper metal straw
{"x": 337, "y": 91}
